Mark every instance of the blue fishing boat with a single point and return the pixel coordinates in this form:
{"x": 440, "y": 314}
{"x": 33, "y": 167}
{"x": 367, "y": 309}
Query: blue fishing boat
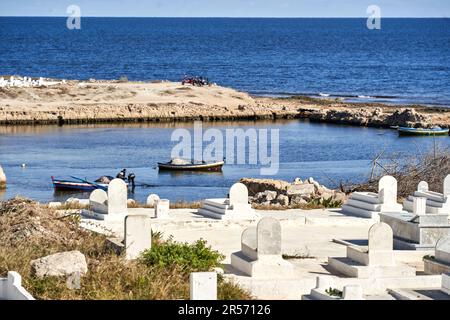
{"x": 77, "y": 185}
{"x": 435, "y": 131}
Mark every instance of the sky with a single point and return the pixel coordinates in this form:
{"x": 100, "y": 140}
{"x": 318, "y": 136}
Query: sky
{"x": 227, "y": 8}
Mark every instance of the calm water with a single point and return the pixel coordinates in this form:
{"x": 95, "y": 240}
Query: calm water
{"x": 329, "y": 153}
{"x": 407, "y": 61}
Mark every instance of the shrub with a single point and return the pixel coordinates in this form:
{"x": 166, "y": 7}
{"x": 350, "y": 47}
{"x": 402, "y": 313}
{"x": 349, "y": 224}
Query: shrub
{"x": 195, "y": 257}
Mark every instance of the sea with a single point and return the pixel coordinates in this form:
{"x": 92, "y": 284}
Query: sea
{"x": 407, "y": 61}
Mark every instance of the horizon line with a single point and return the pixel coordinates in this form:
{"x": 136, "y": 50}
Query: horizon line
{"x": 228, "y": 17}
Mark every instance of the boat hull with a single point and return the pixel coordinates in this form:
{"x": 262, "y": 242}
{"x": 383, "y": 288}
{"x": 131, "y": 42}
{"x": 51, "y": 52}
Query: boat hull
{"x": 422, "y": 132}
{"x": 76, "y": 186}
{"x": 191, "y": 167}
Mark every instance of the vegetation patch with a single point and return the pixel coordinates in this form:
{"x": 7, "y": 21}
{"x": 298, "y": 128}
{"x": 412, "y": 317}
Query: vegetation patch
{"x": 30, "y": 231}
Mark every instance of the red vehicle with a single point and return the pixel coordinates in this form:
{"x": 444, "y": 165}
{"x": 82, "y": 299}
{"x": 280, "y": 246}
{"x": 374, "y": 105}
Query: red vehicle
{"x": 195, "y": 81}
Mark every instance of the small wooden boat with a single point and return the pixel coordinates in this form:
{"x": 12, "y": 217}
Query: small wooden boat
{"x": 184, "y": 165}
{"x": 77, "y": 185}
{"x": 436, "y": 131}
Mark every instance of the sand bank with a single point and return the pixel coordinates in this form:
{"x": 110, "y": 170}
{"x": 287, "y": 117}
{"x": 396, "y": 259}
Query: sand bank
{"x": 113, "y": 101}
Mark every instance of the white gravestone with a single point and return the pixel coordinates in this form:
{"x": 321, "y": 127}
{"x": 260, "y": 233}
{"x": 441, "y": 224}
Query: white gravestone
{"x": 138, "y": 235}
{"x": 446, "y": 283}
{"x": 203, "y": 286}
{"x": 117, "y": 197}
{"x": 387, "y": 194}
{"x": 238, "y": 194}
{"x": 447, "y": 186}
{"x": 381, "y": 245}
{"x": 268, "y": 237}
{"x": 352, "y": 292}
{"x": 162, "y": 209}
{"x": 419, "y": 206}
{"x": 151, "y": 199}
{"x": 423, "y": 186}
{"x": 443, "y": 250}
{"x": 98, "y": 201}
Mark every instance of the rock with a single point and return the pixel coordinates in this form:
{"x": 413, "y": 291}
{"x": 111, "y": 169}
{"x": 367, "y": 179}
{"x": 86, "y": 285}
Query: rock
{"x": 310, "y": 180}
{"x": 2, "y": 179}
{"x": 60, "y": 264}
{"x": 339, "y": 196}
{"x": 73, "y": 200}
{"x": 131, "y": 202}
{"x": 327, "y": 195}
{"x": 270, "y": 195}
{"x": 408, "y": 117}
{"x": 283, "y": 200}
{"x": 298, "y": 181}
{"x": 298, "y": 200}
{"x": 261, "y": 185}
{"x": 305, "y": 189}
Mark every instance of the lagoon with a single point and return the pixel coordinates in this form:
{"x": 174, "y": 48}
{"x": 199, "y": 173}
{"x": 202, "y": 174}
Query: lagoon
{"x": 329, "y": 153}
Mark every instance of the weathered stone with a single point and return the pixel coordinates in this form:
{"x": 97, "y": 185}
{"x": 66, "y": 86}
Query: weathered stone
{"x": 260, "y": 185}
{"x": 117, "y": 197}
{"x": 298, "y": 181}
{"x": 301, "y": 189}
{"x": 283, "y": 200}
{"x": 269, "y": 237}
{"x": 270, "y": 195}
{"x": 131, "y": 202}
{"x": 59, "y": 264}
{"x": 203, "y": 285}
{"x": 151, "y": 199}
{"x": 138, "y": 235}
{"x": 298, "y": 200}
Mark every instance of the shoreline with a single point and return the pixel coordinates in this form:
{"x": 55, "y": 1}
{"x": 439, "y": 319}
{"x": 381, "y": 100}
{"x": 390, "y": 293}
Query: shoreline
{"x": 103, "y": 101}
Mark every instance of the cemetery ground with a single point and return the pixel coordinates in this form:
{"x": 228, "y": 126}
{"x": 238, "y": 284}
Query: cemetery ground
{"x": 29, "y": 231}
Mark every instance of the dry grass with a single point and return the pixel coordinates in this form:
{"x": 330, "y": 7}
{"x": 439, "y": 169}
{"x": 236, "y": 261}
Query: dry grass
{"x": 29, "y": 231}
{"x": 431, "y": 166}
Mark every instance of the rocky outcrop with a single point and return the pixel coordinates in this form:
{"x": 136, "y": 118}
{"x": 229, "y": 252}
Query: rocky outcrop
{"x": 370, "y": 117}
{"x": 60, "y": 264}
{"x": 408, "y": 118}
{"x": 261, "y": 185}
{"x": 2, "y": 179}
{"x": 269, "y": 192}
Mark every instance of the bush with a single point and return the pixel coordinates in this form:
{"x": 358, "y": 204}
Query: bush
{"x": 195, "y": 257}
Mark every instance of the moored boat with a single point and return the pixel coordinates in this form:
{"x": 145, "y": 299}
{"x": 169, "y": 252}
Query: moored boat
{"x": 68, "y": 185}
{"x": 184, "y": 165}
{"x": 436, "y": 131}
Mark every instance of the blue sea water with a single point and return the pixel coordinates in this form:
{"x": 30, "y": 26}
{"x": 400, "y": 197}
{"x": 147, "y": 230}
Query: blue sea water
{"x": 408, "y": 60}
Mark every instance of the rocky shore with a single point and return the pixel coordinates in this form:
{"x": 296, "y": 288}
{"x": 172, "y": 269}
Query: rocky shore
{"x": 74, "y": 102}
